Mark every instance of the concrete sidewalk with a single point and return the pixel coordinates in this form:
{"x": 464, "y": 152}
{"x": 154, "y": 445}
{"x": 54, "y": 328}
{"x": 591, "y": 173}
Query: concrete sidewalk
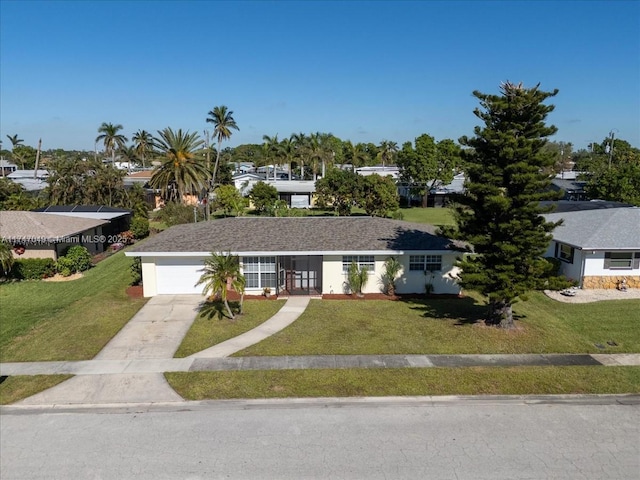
{"x": 195, "y": 364}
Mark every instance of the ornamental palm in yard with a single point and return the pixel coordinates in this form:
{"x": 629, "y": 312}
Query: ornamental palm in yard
{"x": 222, "y": 271}
{"x": 180, "y": 173}
{"x": 143, "y": 144}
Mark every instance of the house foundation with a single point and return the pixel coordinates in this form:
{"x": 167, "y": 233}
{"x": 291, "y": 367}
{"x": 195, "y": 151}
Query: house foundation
{"x": 610, "y": 282}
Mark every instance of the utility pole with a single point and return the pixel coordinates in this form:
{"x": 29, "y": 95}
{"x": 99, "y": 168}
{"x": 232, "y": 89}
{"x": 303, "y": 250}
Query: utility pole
{"x": 208, "y": 151}
{"x": 611, "y": 148}
{"x": 35, "y": 172}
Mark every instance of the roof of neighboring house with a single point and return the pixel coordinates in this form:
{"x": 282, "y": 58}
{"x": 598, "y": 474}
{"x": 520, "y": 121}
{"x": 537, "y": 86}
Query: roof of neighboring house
{"x": 569, "y": 186}
{"x": 28, "y": 174}
{"x": 85, "y": 211}
{"x": 601, "y": 229}
{"x": 293, "y": 186}
{"x": 301, "y": 235}
{"x": 26, "y": 227}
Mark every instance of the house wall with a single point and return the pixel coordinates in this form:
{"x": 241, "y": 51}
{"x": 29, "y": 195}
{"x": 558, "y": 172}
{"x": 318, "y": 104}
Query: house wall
{"x": 334, "y": 280}
{"x": 149, "y": 283}
{"x": 36, "y": 251}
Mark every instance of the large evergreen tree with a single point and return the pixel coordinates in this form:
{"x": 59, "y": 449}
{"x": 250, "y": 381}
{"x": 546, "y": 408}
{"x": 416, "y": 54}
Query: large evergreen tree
{"x": 500, "y": 213}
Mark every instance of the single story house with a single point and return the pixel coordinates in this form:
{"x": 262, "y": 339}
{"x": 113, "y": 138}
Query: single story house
{"x": 300, "y": 255}
{"x": 31, "y": 180}
{"x": 40, "y": 235}
{"x": 7, "y": 167}
{"x": 119, "y": 218}
{"x": 599, "y": 248}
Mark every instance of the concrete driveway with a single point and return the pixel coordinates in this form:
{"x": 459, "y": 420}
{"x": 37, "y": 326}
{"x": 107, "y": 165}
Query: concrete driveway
{"x": 155, "y": 332}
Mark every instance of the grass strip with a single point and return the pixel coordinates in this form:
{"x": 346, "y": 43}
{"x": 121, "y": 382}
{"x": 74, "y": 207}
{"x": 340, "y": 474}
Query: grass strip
{"x": 14, "y": 389}
{"x": 208, "y": 330}
{"x": 403, "y": 382}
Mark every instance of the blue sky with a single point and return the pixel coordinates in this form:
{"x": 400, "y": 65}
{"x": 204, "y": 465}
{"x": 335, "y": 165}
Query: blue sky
{"x": 364, "y": 71}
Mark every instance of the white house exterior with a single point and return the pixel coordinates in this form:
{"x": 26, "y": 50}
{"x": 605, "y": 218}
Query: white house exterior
{"x": 598, "y": 248}
{"x": 300, "y": 255}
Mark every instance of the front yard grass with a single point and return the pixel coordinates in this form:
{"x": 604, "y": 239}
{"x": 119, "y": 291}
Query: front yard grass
{"x": 453, "y": 326}
{"x": 409, "y": 381}
{"x": 74, "y": 320}
{"x": 16, "y": 388}
{"x": 208, "y": 330}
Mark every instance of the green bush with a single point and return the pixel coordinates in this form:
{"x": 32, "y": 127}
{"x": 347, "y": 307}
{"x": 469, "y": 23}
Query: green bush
{"x": 65, "y": 266}
{"x": 80, "y": 258}
{"x": 139, "y": 227}
{"x": 33, "y": 268}
{"x": 136, "y": 271}
{"x": 174, "y": 213}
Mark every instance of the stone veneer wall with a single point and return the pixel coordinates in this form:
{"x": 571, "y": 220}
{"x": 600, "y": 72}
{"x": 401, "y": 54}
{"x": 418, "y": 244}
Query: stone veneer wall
{"x": 610, "y": 282}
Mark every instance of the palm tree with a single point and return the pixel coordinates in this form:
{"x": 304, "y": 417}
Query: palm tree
{"x": 6, "y": 257}
{"x": 143, "y": 144}
{"x": 356, "y": 153}
{"x": 388, "y": 150}
{"x": 272, "y": 151}
{"x": 319, "y": 151}
{"x": 15, "y": 141}
{"x": 111, "y": 138}
{"x": 223, "y": 122}
{"x": 288, "y": 150}
{"x": 221, "y": 272}
{"x": 180, "y": 172}
{"x": 301, "y": 143}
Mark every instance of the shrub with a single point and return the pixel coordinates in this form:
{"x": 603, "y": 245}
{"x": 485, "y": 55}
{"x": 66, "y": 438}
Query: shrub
{"x": 80, "y": 258}
{"x": 65, "y": 266}
{"x": 140, "y": 227}
{"x": 136, "y": 271}
{"x": 174, "y": 213}
{"x": 33, "y": 268}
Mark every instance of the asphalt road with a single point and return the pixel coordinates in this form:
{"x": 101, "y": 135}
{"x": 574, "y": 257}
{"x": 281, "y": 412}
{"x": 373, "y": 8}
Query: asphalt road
{"x": 367, "y": 439}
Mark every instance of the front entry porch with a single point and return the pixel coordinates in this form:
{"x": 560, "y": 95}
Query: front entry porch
{"x": 300, "y": 275}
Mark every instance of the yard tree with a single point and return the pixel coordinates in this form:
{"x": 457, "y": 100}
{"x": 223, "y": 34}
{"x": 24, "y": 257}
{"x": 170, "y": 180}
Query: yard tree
{"x": 221, "y": 272}
{"x": 111, "y": 139}
{"x": 339, "y": 188}
{"x": 500, "y": 213}
{"x": 424, "y": 165}
{"x": 263, "y": 196}
{"x": 378, "y": 195}
{"x": 6, "y": 257}
{"x": 229, "y": 200}
{"x": 180, "y": 173}
{"x": 223, "y": 123}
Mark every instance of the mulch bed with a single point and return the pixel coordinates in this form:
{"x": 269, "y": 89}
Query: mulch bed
{"x": 135, "y": 291}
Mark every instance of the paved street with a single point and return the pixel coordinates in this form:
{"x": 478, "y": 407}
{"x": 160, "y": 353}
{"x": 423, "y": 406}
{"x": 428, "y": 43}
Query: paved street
{"x": 404, "y": 438}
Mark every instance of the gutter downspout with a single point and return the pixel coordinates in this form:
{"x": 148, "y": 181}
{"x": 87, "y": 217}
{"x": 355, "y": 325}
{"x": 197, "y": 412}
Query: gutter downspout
{"x": 583, "y": 256}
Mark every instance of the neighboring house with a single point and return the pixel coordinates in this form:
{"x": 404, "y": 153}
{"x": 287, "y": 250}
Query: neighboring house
{"x": 7, "y": 167}
{"x": 439, "y": 196}
{"x": 31, "y": 180}
{"x": 119, "y": 219}
{"x": 382, "y": 170}
{"x": 296, "y": 193}
{"x": 598, "y": 248}
{"x": 570, "y": 186}
{"x": 40, "y": 235}
{"x": 244, "y": 182}
{"x": 300, "y": 255}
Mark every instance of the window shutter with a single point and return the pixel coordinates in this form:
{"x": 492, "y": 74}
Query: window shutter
{"x": 636, "y": 261}
{"x": 557, "y": 247}
{"x": 607, "y": 260}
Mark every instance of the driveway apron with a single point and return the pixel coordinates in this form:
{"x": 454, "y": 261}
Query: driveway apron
{"x": 155, "y": 332}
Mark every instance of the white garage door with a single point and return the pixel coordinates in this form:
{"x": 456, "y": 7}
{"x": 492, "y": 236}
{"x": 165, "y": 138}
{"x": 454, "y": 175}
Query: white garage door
{"x": 178, "y": 276}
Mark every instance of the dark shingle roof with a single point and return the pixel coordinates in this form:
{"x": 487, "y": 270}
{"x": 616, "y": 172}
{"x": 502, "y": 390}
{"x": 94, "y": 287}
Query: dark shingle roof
{"x": 297, "y": 234}
{"x": 24, "y": 227}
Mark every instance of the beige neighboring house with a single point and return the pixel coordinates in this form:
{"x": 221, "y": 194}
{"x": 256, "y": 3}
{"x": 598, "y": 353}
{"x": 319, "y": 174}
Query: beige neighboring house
{"x": 40, "y": 235}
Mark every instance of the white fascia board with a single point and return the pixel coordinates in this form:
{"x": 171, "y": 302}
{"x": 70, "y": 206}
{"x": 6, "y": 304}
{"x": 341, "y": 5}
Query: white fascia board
{"x": 295, "y": 252}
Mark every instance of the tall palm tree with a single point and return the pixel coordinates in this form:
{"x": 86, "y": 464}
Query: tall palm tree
{"x": 271, "y": 148}
{"x": 222, "y": 271}
{"x": 356, "y": 154}
{"x": 388, "y": 150}
{"x": 15, "y": 141}
{"x": 319, "y": 151}
{"x": 180, "y": 173}
{"x": 223, "y": 122}
{"x": 111, "y": 138}
{"x": 288, "y": 151}
{"x": 301, "y": 143}
{"x": 143, "y": 144}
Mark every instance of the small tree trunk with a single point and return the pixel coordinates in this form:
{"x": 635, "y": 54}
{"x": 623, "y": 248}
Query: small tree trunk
{"x": 226, "y": 304}
{"x": 500, "y": 315}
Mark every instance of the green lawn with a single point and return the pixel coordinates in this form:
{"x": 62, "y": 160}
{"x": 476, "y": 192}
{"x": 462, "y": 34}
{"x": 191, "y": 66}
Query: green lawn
{"x": 408, "y": 381}
{"x": 73, "y": 320}
{"x": 450, "y": 326}
{"x": 208, "y": 330}
{"x": 433, "y": 216}
{"x": 16, "y": 388}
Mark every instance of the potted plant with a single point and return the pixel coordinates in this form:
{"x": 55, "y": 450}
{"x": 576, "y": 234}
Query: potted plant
{"x": 266, "y": 291}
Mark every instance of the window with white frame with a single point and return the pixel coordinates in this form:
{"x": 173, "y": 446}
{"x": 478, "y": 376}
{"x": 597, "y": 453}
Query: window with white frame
{"x": 366, "y": 262}
{"x": 259, "y": 272}
{"x": 619, "y": 260}
{"x": 425, "y": 263}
